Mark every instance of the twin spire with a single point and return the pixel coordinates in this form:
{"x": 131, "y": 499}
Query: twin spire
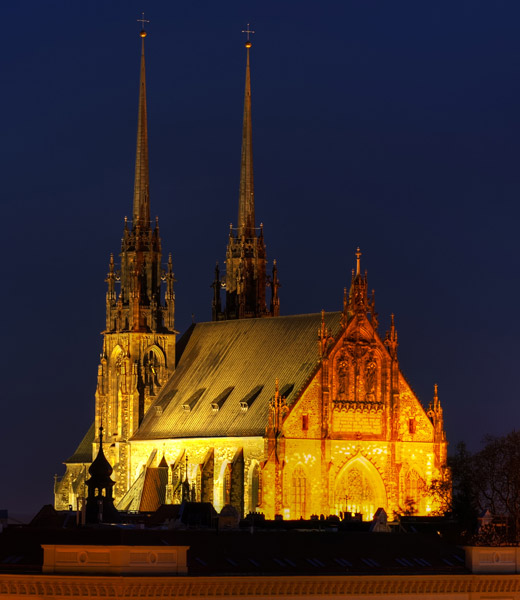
{"x": 246, "y": 203}
{"x": 246, "y": 207}
{"x": 246, "y": 280}
{"x": 141, "y": 213}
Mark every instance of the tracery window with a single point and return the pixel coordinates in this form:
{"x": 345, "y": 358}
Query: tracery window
{"x": 299, "y": 493}
{"x": 356, "y": 493}
{"x": 413, "y": 492}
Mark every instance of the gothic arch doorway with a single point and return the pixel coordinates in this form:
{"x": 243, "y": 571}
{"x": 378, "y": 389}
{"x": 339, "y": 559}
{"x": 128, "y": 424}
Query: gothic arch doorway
{"x": 359, "y": 488}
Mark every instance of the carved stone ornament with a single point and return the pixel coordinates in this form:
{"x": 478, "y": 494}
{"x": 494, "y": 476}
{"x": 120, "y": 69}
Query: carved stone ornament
{"x": 370, "y": 374}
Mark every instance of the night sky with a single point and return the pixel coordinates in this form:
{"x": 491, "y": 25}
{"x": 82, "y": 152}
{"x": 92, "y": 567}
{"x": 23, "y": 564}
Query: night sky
{"x": 394, "y": 126}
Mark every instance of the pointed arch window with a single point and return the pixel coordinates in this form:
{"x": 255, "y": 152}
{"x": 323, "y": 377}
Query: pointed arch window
{"x": 359, "y": 488}
{"x": 227, "y": 485}
{"x": 413, "y": 492}
{"x": 256, "y": 491}
{"x": 299, "y": 493}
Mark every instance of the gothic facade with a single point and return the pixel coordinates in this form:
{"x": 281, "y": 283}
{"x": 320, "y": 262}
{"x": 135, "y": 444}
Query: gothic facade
{"x": 286, "y": 415}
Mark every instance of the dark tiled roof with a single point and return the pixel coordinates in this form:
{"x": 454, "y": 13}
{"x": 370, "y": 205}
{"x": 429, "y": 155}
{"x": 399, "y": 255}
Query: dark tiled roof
{"x": 320, "y": 553}
{"x": 247, "y": 355}
{"x": 83, "y": 453}
{"x": 255, "y": 553}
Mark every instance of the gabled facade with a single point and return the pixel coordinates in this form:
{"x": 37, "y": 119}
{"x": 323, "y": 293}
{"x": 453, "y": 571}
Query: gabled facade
{"x": 297, "y": 416}
{"x": 290, "y": 415}
{"x": 357, "y": 438}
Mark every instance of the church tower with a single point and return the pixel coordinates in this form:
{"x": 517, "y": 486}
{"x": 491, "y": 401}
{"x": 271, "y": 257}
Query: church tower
{"x": 139, "y": 338}
{"x": 245, "y": 280}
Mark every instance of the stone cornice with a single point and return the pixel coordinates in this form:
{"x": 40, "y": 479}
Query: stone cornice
{"x": 79, "y": 587}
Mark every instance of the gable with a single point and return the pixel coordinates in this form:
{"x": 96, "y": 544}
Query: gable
{"x": 83, "y": 453}
{"x": 369, "y": 396}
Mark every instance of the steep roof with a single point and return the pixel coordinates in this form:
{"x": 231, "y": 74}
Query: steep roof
{"x": 83, "y": 453}
{"x": 226, "y": 376}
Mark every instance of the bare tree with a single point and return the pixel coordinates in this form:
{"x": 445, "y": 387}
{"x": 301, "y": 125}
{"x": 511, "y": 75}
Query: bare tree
{"x": 496, "y": 478}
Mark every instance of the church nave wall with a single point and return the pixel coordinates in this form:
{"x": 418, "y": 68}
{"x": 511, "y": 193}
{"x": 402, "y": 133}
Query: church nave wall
{"x": 235, "y": 466}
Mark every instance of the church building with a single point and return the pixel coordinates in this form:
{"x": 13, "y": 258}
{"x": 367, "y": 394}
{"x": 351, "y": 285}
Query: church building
{"x": 294, "y": 415}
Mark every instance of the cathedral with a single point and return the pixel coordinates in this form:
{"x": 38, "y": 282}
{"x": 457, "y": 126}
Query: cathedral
{"x": 294, "y": 415}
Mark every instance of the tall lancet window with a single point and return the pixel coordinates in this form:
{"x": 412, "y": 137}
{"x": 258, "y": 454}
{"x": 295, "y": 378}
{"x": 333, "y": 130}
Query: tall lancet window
{"x": 299, "y": 493}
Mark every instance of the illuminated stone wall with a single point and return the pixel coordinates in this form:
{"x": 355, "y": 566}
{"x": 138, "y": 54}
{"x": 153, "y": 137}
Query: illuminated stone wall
{"x": 353, "y": 439}
{"x": 299, "y": 473}
{"x": 357, "y": 439}
{"x": 331, "y": 476}
{"x": 133, "y": 368}
{"x": 196, "y": 450}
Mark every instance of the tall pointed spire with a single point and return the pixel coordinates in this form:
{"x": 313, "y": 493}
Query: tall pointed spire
{"x": 245, "y": 279}
{"x": 141, "y": 212}
{"x": 246, "y": 202}
{"x": 139, "y": 312}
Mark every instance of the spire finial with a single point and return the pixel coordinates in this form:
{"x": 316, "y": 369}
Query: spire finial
{"x": 248, "y": 31}
{"x": 141, "y": 213}
{"x": 436, "y": 403}
{"x": 358, "y": 261}
{"x": 391, "y": 338}
{"x": 142, "y": 20}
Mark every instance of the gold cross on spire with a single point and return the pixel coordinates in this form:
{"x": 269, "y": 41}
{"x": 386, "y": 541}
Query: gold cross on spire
{"x": 248, "y": 31}
{"x": 142, "y": 20}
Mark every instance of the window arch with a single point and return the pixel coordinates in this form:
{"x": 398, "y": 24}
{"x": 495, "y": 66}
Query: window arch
{"x": 255, "y": 488}
{"x": 153, "y": 363}
{"x": 414, "y": 488}
{"x": 359, "y": 488}
{"x": 226, "y": 490}
{"x": 298, "y": 493}
{"x": 117, "y": 371}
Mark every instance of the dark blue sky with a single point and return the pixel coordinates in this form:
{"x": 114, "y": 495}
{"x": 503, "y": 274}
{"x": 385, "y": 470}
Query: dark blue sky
{"x": 389, "y": 125}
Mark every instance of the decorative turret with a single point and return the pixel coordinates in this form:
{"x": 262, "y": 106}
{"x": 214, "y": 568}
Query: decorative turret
{"x": 246, "y": 280}
{"x": 391, "y": 339}
{"x": 275, "y": 284}
{"x": 357, "y": 302}
{"x": 435, "y": 413}
{"x": 185, "y": 486}
{"x": 100, "y": 503}
{"x": 358, "y": 297}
